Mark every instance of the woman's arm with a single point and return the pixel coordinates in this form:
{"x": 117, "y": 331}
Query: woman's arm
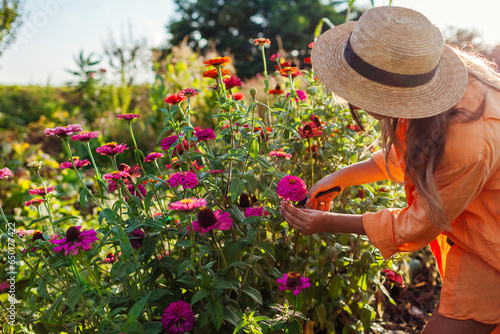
{"x": 359, "y": 173}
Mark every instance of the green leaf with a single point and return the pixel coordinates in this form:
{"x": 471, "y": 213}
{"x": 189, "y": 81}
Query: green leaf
{"x": 83, "y": 194}
{"x": 74, "y": 295}
{"x": 136, "y": 310}
{"x": 236, "y": 213}
{"x": 336, "y": 287}
{"x": 42, "y": 289}
{"x": 237, "y": 187}
{"x": 264, "y": 163}
{"x": 253, "y": 293}
{"x": 366, "y": 316}
{"x": 216, "y": 313}
{"x": 294, "y": 327}
{"x": 183, "y": 266}
{"x": 254, "y": 148}
{"x": 152, "y": 327}
{"x": 54, "y": 306}
{"x": 199, "y": 296}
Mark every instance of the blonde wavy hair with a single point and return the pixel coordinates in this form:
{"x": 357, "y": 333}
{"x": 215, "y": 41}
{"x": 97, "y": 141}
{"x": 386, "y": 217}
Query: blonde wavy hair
{"x": 426, "y": 138}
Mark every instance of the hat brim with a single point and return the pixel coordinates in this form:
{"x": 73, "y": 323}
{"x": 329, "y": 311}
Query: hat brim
{"x": 438, "y": 95}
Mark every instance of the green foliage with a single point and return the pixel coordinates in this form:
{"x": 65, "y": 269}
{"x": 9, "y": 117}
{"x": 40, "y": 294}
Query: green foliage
{"x": 230, "y": 27}
{"x": 10, "y": 21}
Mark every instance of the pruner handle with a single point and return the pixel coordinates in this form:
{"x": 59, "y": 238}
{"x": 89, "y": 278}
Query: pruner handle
{"x": 301, "y": 203}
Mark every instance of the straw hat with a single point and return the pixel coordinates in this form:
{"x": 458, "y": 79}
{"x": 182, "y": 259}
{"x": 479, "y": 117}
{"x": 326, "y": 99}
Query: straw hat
{"x": 392, "y": 62}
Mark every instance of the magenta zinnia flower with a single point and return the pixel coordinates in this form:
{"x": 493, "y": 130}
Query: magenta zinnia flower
{"x": 153, "y": 156}
{"x": 184, "y": 179}
{"x": 178, "y": 318}
{"x": 139, "y": 191}
{"x": 188, "y": 204}
{"x": 112, "y": 149}
{"x": 280, "y": 154}
{"x": 300, "y": 95}
{"x": 166, "y": 143}
{"x": 128, "y": 117}
{"x": 136, "y": 238}
{"x": 291, "y": 188}
{"x": 41, "y": 191}
{"x": 394, "y": 277}
{"x": 232, "y": 82}
{"x": 75, "y": 241}
{"x": 216, "y": 171}
{"x": 258, "y": 211}
{"x": 293, "y": 282}
{"x": 85, "y": 136}
{"x": 209, "y": 220}
{"x": 63, "y": 131}
{"x": 188, "y": 92}
{"x": 204, "y": 134}
{"x": 78, "y": 163}
{"x": 5, "y": 173}
{"x": 4, "y": 286}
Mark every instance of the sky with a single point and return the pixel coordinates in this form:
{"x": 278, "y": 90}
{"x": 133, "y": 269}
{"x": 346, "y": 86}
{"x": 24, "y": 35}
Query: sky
{"x": 55, "y": 31}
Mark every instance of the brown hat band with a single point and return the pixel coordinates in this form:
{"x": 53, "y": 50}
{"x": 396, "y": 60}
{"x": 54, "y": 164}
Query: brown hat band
{"x": 382, "y": 76}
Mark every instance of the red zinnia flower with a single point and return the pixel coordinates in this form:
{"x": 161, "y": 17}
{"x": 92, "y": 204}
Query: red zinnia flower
{"x": 280, "y": 154}
{"x": 307, "y": 60}
{"x": 36, "y": 202}
{"x": 188, "y": 92}
{"x": 393, "y": 277}
{"x": 217, "y": 62}
{"x": 239, "y": 96}
{"x": 261, "y": 41}
{"x": 310, "y": 45}
{"x": 175, "y": 98}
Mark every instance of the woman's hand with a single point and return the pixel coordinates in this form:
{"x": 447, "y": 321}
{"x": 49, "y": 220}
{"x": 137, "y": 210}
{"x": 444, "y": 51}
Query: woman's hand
{"x": 326, "y": 183}
{"x": 306, "y": 221}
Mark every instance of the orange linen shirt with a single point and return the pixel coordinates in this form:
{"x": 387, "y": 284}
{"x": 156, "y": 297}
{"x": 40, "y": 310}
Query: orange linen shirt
{"x": 468, "y": 181}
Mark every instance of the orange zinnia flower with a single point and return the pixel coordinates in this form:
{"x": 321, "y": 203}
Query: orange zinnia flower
{"x": 213, "y": 73}
{"x": 261, "y": 41}
{"x": 289, "y": 71}
{"x": 217, "y": 62}
{"x": 276, "y": 91}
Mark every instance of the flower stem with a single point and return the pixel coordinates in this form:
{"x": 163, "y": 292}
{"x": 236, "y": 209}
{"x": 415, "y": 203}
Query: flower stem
{"x": 46, "y": 203}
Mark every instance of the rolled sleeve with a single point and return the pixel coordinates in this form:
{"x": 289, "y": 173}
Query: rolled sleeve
{"x": 410, "y": 229}
{"x": 394, "y": 170}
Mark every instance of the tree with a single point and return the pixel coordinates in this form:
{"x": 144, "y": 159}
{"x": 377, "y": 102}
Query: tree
{"x": 230, "y": 26}
{"x": 10, "y": 21}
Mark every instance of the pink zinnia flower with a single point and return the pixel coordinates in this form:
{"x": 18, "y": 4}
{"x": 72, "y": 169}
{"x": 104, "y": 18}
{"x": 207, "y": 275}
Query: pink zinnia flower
{"x": 175, "y": 98}
{"x": 280, "y": 154}
{"x": 204, "y": 134}
{"x": 153, "y": 156}
{"x": 188, "y": 204}
{"x": 128, "y": 117}
{"x": 113, "y": 179}
{"x": 5, "y": 173}
{"x": 112, "y": 149}
{"x": 139, "y": 191}
{"x": 4, "y": 286}
{"x": 216, "y": 171}
{"x": 41, "y": 191}
{"x": 63, "y": 131}
{"x": 210, "y": 220}
{"x": 35, "y": 202}
{"x": 133, "y": 172}
{"x": 78, "y": 163}
{"x": 293, "y": 282}
{"x": 394, "y": 277}
{"x": 75, "y": 241}
{"x": 291, "y": 188}
{"x": 300, "y": 95}
{"x": 20, "y": 233}
{"x": 188, "y": 92}
{"x": 232, "y": 82}
{"x": 274, "y": 56}
{"x": 85, "y": 136}
{"x": 184, "y": 179}
{"x": 258, "y": 211}
{"x": 136, "y": 238}
{"x": 111, "y": 258}
{"x": 178, "y": 318}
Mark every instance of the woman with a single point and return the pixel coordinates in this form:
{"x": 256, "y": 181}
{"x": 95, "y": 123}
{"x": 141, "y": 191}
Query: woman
{"x": 440, "y": 118}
